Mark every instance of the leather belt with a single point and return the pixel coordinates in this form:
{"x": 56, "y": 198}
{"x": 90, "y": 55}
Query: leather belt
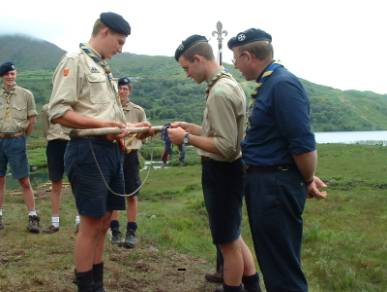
{"x": 96, "y": 138}
{"x": 268, "y": 168}
{"x": 205, "y": 158}
{"x": 11, "y": 135}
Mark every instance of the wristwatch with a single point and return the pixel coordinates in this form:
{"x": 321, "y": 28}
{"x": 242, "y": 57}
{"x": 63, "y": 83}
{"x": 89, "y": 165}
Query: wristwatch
{"x": 186, "y": 139}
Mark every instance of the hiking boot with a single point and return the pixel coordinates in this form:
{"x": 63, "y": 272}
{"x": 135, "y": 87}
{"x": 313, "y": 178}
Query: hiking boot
{"x": 116, "y": 238}
{"x": 1, "y": 223}
{"x": 33, "y": 224}
{"x": 130, "y": 239}
{"x": 216, "y": 277}
{"x": 50, "y": 229}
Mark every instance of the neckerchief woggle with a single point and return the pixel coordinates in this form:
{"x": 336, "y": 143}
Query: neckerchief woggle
{"x": 260, "y": 81}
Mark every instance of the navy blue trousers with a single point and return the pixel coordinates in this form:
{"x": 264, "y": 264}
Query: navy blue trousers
{"x": 275, "y": 203}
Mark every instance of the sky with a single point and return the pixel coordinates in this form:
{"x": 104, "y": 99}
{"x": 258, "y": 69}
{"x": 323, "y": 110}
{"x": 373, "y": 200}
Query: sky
{"x": 338, "y": 43}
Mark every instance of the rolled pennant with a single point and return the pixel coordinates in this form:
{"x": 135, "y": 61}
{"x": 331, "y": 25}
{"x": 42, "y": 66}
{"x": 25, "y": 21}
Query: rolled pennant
{"x": 111, "y": 130}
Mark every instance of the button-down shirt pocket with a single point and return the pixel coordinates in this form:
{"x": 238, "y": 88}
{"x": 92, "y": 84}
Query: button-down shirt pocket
{"x": 99, "y": 88}
{"x": 19, "y": 112}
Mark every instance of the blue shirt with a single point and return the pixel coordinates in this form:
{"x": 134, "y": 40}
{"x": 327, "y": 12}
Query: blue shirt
{"x": 279, "y": 123}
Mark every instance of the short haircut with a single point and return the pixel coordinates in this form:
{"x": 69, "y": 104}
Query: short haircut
{"x": 200, "y": 48}
{"x": 260, "y": 49}
{"x": 98, "y": 25}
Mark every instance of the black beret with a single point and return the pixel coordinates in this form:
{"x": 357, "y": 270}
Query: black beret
{"x": 189, "y": 42}
{"x": 6, "y": 67}
{"x": 123, "y": 81}
{"x": 115, "y": 22}
{"x": 248, "y": 36}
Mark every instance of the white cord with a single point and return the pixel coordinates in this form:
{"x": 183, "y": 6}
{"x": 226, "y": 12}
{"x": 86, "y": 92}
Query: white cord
{"x": 105, "y": 182}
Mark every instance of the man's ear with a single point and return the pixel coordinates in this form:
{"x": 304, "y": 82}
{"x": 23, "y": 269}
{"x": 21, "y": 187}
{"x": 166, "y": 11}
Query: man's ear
{"x": 196, "y": 58}
{"x": 105, "y": 31}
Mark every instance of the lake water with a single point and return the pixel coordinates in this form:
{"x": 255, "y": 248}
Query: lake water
{"x": 355, "y": 137}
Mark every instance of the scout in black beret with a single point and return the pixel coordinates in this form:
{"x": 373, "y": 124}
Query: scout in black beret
{"x": 115, "y": 22}
{"x": 189, "y": 42}
{"x": 6, "y": 67}
{"x": 123, "y": 81}
{"x": 248, "y": 36}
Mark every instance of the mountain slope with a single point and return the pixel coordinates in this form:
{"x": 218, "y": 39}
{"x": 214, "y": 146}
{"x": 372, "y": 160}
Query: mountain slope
{"x": 161, "y": 87}
{"x": 29, "y": 53}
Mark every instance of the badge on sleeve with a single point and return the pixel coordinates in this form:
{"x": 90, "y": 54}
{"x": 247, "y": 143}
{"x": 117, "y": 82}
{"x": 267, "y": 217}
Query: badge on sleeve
{"x": 66, "y": 71}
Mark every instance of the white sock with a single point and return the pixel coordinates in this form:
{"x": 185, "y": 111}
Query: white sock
{"x": 77, "y": 219}
{"x": 1, "y": 212}
{"x": 55, "y": 221}
{"x": 32, "y": 213}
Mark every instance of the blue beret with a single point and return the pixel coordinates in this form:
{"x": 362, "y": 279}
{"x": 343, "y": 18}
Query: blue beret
{"x": 115, "y": 22}
{"x": 189, "y": 42}
{"x": 6, "y": 67}
{"x": 248, "y": 36}
{"x": 123, "y": 81}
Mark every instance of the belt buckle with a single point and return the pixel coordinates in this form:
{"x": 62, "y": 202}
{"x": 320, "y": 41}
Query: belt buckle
{"x": 283, "y": 167}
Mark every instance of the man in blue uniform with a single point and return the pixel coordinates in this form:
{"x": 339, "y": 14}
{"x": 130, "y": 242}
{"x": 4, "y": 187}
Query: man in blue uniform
{"x": 279, "y": 151}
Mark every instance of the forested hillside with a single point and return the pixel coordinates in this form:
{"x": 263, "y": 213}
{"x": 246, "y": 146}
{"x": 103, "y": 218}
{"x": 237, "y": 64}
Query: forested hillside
{"x": 160, "y": 86}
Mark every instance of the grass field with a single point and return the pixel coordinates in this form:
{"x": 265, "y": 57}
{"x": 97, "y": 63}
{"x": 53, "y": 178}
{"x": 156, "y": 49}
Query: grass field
{"x": 345, "y": 236}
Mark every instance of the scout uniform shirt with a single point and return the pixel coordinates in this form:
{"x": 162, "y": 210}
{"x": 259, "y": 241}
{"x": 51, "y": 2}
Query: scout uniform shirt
{"x": 53, "y": 131}
{"x": 224, "y": 117}
{"x": 16, "y": 106}
{"x": 133, "y": 114}
{"x": 81, "y": 84}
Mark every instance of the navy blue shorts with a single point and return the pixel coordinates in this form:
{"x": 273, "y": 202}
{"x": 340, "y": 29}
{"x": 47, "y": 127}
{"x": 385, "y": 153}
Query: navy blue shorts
{"x": 55, "y": 151}
{"x": 92, "y": 196}
{"x": 132, "y": 172}
{"x": 223, "y": 195}
{"x": 13, "y": 151}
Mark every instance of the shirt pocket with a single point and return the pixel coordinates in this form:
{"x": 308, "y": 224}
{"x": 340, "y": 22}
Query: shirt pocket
{"x": 19, "y": 111}
{"x": 99, "y": 88}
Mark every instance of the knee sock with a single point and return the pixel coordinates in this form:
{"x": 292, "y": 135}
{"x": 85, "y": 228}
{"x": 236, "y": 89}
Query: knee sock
{"x": 131, "y": 226}
{"x": 77, "y": 219}
{"x": 32, "y": 213}
{"x": 115, "y": 226}
{"x": 55, "y": 221}
{"x": 85, "y": 281}
{"x": 228, "y": 288}
{"x": 251, "y": 283}
{"x": 98, "y": 276}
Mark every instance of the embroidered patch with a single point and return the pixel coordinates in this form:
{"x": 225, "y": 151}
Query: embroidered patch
{"x": 94, "y": 70}
{"x": 66, "y": 71}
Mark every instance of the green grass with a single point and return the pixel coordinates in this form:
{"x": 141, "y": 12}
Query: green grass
{"x": 344, "y": 247}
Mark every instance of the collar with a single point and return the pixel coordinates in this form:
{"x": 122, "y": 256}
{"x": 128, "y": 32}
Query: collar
{"x": 90, "y": 48}
{"x": 266, "y": 73}
{"x": 9, "y": 91}
{"x": 215, "y": 77}
{"x": 214, "y": 74}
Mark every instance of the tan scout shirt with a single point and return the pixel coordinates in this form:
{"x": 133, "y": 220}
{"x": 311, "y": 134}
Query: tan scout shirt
{"x": 224, "y": 119}
{"x": 80, "y": 84}
{"x": 15, "y": 108}
{"x": 134, "y": 114}
{"x": 53, "y": 131}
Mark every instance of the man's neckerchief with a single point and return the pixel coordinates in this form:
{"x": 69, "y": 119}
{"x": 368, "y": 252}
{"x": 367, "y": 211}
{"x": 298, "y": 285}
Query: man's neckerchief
{"x": 97, "y": 59}
{"x": 102, "y": 63}
{"x": 260, "y": 81}
{"x": 7, "y": 93}
{"x": 218, "y": 76}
